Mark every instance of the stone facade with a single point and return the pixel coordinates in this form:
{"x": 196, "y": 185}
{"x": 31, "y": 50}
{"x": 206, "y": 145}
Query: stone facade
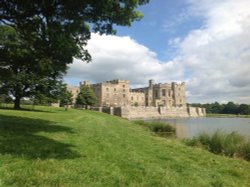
{"x": 168, "y": 95}
{"x": 117, "y": 93}
{"x": 155, "y": 101}
{"x": 112, "y": 93}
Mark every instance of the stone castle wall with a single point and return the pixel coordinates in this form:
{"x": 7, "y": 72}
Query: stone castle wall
{"x": 142, "y": 112}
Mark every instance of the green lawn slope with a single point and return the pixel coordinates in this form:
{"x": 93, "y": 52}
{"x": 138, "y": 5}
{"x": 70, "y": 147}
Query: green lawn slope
{"x": 53, "y": 147}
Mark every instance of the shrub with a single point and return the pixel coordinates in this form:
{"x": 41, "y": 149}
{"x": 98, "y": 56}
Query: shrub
{"x": 216, "y": 142}
{"x": 232, "y": 144}
{"x": 245, "y": 151}
{"x": 160, "y": 128}
{"x": 140, "y": 122}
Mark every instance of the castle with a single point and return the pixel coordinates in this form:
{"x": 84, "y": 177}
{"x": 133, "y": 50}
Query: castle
{"x": 155, "y": 101}
{"x": 116, "y": 93}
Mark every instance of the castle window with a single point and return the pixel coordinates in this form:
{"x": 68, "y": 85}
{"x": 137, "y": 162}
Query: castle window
{"x": 163, "y": 92}
{"x": 156, "y": 93}
{"x": 169, "y": 93}
{"x": 124, "y": 95}
{"x": 123, "y": 86}
{"x": 114, "y": 89}
{"x": 132, "y": 98}
{"x": 107, "y": 89}
{"x": 124, "y": 90}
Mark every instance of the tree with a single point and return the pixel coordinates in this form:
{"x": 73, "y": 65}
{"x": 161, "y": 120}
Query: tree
{"x": 230, "y": 108}
{"x": 66, "y": 98}
{"x": 86, "y": 96}
{"x": 44, "y": 36}
{"x": 21, "y": 73}
{"x": 216, "y": 108}
{"x": 243, "y": 109}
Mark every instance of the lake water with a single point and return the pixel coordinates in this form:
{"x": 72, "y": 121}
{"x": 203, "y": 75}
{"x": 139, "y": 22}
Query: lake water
{"x": 189, "y": 127}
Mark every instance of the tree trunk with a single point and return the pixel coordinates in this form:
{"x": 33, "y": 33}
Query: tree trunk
{"x": 17, "y": 103}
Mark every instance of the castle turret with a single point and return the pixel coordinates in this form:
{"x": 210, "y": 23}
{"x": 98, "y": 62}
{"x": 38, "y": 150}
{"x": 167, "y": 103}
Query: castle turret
{"x": 179, "y": 95}
{"x": 85, "y": 83}
{"x": 151, "y": 83}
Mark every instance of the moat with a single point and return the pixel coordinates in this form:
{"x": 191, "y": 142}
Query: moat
{"x": 189, "y": 127}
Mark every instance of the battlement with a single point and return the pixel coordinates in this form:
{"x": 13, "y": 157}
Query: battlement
{"x": 117, "y": 81}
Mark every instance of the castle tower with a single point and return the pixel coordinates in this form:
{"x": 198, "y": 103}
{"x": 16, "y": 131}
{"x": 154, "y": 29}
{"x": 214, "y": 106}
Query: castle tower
{"x": 151, "y": 83}
{"x": 149, "y": 99}
{"x": 85, "y": 83}
{"x": 179, "y": 94}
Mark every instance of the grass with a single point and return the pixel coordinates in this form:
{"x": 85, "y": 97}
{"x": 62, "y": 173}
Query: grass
{"x": 54, "y": 147}
{"x": 232, "y": 144}
{"x": 227, "y": 115}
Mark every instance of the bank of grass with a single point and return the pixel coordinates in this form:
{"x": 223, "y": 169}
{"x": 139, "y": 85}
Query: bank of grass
{"x": 228, "y": 144}
{"x": 227, "y": 116}
{"x": 54, "y": 147}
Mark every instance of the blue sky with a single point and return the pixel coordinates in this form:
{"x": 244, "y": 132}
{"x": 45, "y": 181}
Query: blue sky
{"x": 204, "y": 43}
{"x": 163, "y": 20}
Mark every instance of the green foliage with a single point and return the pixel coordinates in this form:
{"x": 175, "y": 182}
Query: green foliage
{"x": 245, "y": 151}
{"x": 60, "y": 29}
{"x": 22, "y": 74}
{"x": 40, "y": 38}
{"x": 229, "y": 108}
{"x": 232, "y": 144}
{"x": 86, "y": 97}
{"x": 159, "y": 128}
{"x": 243, "y": 109}
{"x": 5, "y": 99}
{"x": 66, "y": 97}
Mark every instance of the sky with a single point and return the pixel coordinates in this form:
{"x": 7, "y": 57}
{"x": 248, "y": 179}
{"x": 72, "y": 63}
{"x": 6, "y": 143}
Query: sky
{"x": 204, "y": 43}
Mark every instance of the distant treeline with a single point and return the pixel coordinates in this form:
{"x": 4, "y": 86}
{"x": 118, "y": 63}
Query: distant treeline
{"x": 229, "y": 108}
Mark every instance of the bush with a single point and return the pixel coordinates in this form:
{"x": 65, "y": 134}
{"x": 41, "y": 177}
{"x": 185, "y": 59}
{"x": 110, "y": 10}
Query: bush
{"x": 245, "y": 151}
{"x": 216, "y": 143}
{"x": 160, "y": 128}
{"x": 232, "y": 144}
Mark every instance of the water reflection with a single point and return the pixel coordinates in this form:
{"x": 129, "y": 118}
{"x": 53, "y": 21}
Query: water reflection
{"x": 181, "y": 130}
{"x": 189, "y": 127}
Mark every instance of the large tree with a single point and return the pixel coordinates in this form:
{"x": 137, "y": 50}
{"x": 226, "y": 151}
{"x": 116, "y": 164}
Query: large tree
{"x": 49, "y": 33}
{"x": 86, "y": 97}
{"x": 66, "y": 98}
{"x": 22, "y": 73}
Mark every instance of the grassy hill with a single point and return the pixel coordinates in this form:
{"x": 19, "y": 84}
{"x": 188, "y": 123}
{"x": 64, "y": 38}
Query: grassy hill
{"x": 53, "y": 147}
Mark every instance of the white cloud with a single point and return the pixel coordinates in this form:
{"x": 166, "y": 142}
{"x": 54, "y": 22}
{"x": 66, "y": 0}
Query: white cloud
{"x": 214, "y": 60}
{"x": 219, "y": 52}
{"x": 122, "y": 58}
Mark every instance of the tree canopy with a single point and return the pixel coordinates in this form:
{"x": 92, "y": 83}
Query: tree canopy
{"x": 229, "y": 108}
{"x": 41, "y": 37}
{"x": 47, "y": 24}
{"x": 86, "y": 96}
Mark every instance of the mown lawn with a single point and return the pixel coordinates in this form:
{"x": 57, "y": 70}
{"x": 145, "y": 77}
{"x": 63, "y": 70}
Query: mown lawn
{"x": 53, "y": 147}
